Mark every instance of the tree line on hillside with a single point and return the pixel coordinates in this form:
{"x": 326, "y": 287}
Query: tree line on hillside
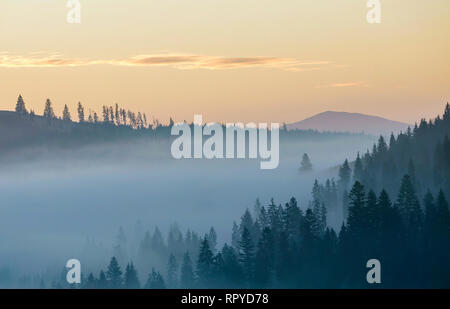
{"x": 110, "y": 115}
{"x": 286, "y": 247}
{"x": 394, "y": 208}
{"x": 116, "y": 117}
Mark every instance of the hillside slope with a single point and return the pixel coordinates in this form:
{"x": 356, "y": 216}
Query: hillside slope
{"x": 349, "y": 122}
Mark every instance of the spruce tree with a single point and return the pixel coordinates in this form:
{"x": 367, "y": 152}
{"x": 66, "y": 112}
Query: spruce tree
{"x": 430, "y": 222}
{"x": 114, "y": 274}
{"x": 172, "y": 272}
{"x": 232, "y": 270}
{"x": 264, "y": 259}
{"x": 111, "y": 114}
{"x": 235, "y": 236}
{"x": 389, "y": 230}
{"x": 274, "y": 216}
{"x": 305, "y": 164}
{"x": 212, "y": 239}
{"x": 246, "y": 254}
{"x": 131, "y": 280}
{"x": 443, "y": 215}
{"x": 257, "y": 209}
{"x": 263, "y": 218}
{"x": 358, "y": 171}
{"x": 117, "y": 114}
{"x": 292, "y": 218}
{"x": 382, "y": 147}
{"x": 20, "y": 106}
{"x": 373, "y": 219}
{"x": 102, "y": 282}
{"x": 248, "y": 223}
{"x": 66, "y": 113}
{"x": 317, "y": 192}
{"x": 155, "y": 281}
{"x": 80, "y": 110}
{"x": 91, "y": 282}
{"x": 48, "y": 110}
{"x": 187, "y": 278}
{"x": 105, "y": 114}
{"x": 408, "y": 205}
{"x": 356, "y": 211}
{"x": 205, "y": 264}
{"x": 344, "y": 175}
{"x": 392, "y": 142}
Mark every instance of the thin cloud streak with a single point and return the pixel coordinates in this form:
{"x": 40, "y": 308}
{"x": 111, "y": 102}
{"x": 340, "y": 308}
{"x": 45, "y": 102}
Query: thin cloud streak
{"x": 53, "y": 60}
{"x": 343, "y": 85}
{"x": 177, "y": 61}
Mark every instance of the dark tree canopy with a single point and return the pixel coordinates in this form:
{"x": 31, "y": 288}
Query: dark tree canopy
{"x": 306, "y": 164}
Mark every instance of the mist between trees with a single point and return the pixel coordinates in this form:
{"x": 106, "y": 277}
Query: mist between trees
{"x": 390, "y": 203}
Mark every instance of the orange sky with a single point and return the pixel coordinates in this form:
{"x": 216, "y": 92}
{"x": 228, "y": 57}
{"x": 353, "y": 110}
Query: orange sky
{"x": 229, "y": 60}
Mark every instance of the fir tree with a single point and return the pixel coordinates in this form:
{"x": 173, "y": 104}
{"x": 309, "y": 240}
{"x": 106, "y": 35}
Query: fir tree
{"x": 172, "y": 272}
{"x": 235, "y": 236}
{"x": 91, "y": 282}
{"x": 246, "y": 254}
{"x": 248, "y": 223}
{"x": 48, "y": 110}
{"x": 187, "y": 272}
{"x": 264, "y": 259}
{"x": 257, "y": 208}
{"x": 232, "y": 270}
{"x": 443, "y": 215}
{"x": 117, "y": 114}
{"x": 292, "y": 218}
{"x": 212, "y": 239}
{"x": 306, "y": 164}
{"x": 102, "y": 282}
{"x": 114, "y": 274}
{"x": 408, "y": 204}
{"x": 205, "y": 264}
{"x": 66, "y": 113}
{"x": 344, "y": 175}
{"x": 356, "y": 210}
{"x": 155, "y": 281}
{"x": 80, "y": 110}
{"x": 430, "y": 216}
{"x": 358, "y": 171}
{"x": 131, "y": 280}
{"x": 382, "y": 147}
{"x": 105, "y": 113}
{"x": 20, "y": 106}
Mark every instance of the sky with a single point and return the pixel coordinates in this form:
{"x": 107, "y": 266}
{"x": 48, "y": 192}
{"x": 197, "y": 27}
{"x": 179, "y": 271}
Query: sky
{"x": 229, "y": 60}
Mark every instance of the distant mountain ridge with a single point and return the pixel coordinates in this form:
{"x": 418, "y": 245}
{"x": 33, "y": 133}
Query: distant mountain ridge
{"x": 349, "y": 122}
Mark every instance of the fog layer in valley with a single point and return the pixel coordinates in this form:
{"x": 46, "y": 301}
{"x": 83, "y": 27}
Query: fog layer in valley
{"x": 55, "y": 203}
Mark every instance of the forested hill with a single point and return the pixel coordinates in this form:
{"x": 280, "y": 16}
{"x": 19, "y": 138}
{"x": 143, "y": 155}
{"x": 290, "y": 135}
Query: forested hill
{"x": 349, "y": 122}
{"x": 410, "y": 167}
{"x": 288, "y": 246}
{"x": 423, "y": 153}
{"x": 19, "y": 131}
{"x": 23, "y": 128}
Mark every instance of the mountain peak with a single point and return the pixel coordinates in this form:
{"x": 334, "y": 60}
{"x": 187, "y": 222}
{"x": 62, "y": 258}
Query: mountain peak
{"x": 334, "y": 121}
